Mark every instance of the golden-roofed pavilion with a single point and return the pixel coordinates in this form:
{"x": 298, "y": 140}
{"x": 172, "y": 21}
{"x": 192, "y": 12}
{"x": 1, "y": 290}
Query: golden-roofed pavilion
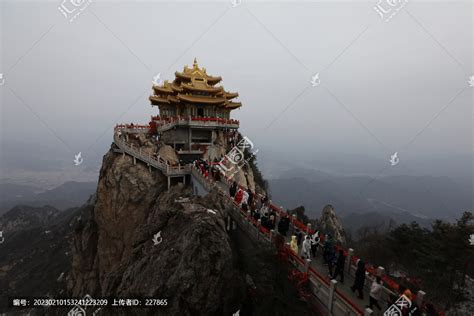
{"x": 194, "y": 93}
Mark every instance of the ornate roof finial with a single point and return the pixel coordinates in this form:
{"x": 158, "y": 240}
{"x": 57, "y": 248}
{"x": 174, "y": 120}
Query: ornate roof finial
{"x": 195, "y": 64}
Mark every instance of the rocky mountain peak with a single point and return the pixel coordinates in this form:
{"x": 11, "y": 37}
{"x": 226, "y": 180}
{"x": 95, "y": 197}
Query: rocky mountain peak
{"x": 330, "y": 223}
{"x": 141, "y": 239}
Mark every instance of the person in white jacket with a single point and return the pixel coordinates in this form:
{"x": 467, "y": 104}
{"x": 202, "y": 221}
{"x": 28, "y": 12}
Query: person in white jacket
{"x": 306, "y": 249}
{"x": 376, "y": 290}
{"x": 244, "y": 198}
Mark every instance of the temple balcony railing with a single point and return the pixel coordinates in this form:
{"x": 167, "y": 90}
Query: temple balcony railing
{"x": 196, "y": 122}
{"x": 132, "y": 128}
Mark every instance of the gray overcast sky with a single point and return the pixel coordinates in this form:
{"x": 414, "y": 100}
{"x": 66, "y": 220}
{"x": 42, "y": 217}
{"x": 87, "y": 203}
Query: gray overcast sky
{"x": 382, "y": 82}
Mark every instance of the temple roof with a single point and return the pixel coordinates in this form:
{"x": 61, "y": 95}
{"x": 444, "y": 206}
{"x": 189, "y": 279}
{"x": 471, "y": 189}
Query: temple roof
{"x": 155, "y": 100}
{"x": 165, "y": 88}
{"x": 201, "y": 99}
{"x": 194, "y": 85}
{"x": 199, "y": 86}
{"x": 233, "y": 105}
{"x": 197, "y": 73}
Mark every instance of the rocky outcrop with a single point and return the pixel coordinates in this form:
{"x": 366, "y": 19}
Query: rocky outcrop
{"x": 193, "y": 263}
{"x": 114, "y": 254}
{"x": 218, "y": 149}
{"x": 242, "y": 174}
{"x": 125, "y": 194}
{"x": 169, "y": 154}
{"x": 330, "y": 223}
{"x": 465, "y": 307}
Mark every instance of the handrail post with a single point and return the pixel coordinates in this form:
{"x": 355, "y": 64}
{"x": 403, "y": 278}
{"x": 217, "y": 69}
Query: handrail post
{"x": 272, "y": 233}
{"x": 420, "y": 295}
{"x": 308, "y": 228}
{"x": 380, "y": 271}
{"x": 306, "y": 265}
{"x": 258, "y": 228}
{"x": 332, "y": 289}
{"x": 349, "y": 259}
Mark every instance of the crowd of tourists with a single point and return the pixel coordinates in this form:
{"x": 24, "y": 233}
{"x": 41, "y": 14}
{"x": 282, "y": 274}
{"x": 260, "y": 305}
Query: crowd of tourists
{"x": 309, "y": 245}
{"x": 208, "y": 169}
{"x": 259, "y": 206}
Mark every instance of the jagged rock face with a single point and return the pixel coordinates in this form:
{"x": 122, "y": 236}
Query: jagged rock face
{"x": 243, "y": 175}
{"x": 245, "y": 178}
{"x": 168, "y": 153}
{"x": 114, "y": 253}
{"x": 145, "y": 142}
{"x": 125, "y": 195}
{"x": 330, "y": 223}
{"x": 466, "y": 307}
{"x": 218, "y": 149}
{"x": 193, "y": 264}
{"x": 240, "y": 173}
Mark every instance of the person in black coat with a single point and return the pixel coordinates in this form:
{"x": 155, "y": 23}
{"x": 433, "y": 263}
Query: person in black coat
{"x": 299, "y": 236}
{"x": 359, "y": 279}
{"x": 280, "y": 226}
{"x": 250, "y": 198}
{"x": 286, "y": 225}
{"x": 340, "y": 263}
{"x": 233, "y": 189}
{"x": 331, "y": 260}
{"x": 283, "y": 225}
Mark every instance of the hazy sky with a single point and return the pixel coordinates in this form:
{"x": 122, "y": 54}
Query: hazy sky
{"x": 400, "y": 85}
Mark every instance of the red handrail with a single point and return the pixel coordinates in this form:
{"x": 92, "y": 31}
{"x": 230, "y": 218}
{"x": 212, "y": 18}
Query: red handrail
{"x": 319, "y": 276}
{"x": 290, "y": 252}
{"x": 346, "y": 299}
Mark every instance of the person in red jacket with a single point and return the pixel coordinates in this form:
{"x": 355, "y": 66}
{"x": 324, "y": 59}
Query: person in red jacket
{"x": 239, "y": 196}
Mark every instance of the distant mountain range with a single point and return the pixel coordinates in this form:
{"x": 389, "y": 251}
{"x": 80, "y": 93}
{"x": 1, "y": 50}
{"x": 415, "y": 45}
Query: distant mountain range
{"x": 35, "y": 257}
{"x": 360, "y": 200}
{"x": 67, "y": 195}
